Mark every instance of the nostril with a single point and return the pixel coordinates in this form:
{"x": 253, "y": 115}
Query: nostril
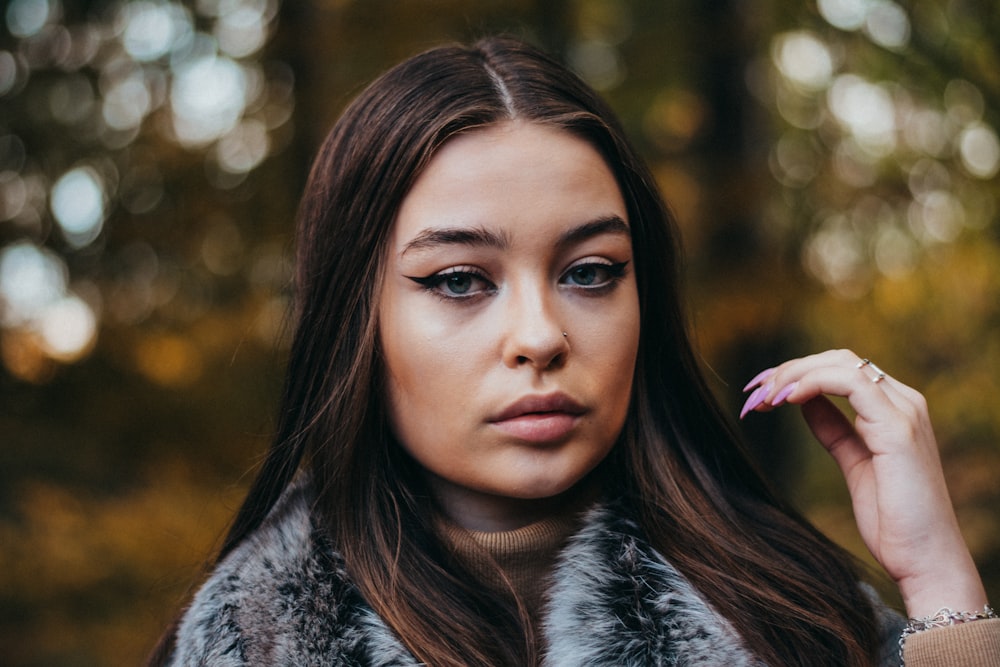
{"x": 543, "y": 349}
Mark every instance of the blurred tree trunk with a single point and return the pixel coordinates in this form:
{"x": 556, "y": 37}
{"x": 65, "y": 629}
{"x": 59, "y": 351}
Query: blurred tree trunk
{"x": 735, "y": 271}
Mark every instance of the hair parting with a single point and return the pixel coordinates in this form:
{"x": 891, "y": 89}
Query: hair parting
{"x": 505, "y": 96}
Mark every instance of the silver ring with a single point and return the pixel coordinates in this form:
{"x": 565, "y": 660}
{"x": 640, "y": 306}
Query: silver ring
{"x": 879, "y": 373}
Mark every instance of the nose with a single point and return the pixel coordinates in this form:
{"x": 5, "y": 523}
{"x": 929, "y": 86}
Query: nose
{"x": 533, "y": 333}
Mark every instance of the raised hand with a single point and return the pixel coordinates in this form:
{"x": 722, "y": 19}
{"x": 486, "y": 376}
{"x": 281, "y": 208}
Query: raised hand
{"x": 889, "y": 457}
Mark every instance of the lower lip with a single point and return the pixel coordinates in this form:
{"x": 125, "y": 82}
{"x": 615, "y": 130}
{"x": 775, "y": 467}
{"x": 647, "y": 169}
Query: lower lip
{"x": 539, "y": 427}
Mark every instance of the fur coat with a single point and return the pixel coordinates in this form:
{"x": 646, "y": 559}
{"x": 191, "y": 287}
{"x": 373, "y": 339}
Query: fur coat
{"x": 283, "y": 598}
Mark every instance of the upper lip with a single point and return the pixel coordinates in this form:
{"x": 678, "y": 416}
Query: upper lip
{"x": 557, "y": 402}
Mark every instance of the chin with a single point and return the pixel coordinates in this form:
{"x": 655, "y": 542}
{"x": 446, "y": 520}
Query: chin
{"x": 546, "y": 488}
{"x": 541, "y": 492}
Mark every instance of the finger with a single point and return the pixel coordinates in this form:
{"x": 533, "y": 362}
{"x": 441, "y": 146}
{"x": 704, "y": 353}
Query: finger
{"x": 834, "y": 358}
{"x": 802, "y": 365}
{"x": 798, "y": 383}
{"x": 835, "y": 372}
{"x": 834, "y": 431}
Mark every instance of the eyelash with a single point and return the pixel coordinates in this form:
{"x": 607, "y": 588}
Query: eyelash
{"x": 435, "y": 282}
{"x": 615, "y": 272}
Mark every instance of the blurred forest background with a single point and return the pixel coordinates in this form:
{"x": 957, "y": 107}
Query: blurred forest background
{"x": 833, "y": 164}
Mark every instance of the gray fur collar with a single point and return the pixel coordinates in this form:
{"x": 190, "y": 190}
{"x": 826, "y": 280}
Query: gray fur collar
{"x": 615, "y": 601}
{"x": 283, "y": 598}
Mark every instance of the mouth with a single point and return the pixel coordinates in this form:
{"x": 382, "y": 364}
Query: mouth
{"x": 539, "y": 419}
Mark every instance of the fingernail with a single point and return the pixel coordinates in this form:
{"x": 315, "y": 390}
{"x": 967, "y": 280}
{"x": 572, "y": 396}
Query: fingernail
{"x": 783, "y": 395}
{"x": 757, "y": 379}
{"x": 755, "y": 399}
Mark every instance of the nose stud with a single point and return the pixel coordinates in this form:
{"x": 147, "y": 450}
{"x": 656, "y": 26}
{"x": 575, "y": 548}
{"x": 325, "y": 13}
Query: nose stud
{"x": 565, "y": 335}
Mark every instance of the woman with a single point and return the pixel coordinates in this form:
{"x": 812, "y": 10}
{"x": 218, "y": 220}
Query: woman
{"x": 495, "y": 446}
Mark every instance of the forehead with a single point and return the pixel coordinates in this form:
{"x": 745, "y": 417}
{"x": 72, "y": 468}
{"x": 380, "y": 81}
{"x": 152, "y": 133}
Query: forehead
{"x": 509, "y": 175}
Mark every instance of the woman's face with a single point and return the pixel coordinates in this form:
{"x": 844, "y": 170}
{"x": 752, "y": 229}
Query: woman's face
{"x": 513, "y": 235}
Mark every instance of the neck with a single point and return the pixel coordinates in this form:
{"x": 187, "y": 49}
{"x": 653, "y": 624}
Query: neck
{"x": 487, "y": 513}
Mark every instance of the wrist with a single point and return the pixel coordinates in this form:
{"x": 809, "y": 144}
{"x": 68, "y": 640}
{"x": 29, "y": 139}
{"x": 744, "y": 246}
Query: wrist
{"x": 945, "y": 617}
{"x": 958, "y": 586}
{"x": 929, "y": 603}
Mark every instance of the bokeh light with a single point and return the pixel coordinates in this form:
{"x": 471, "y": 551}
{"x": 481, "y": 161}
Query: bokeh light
{"x": 887, "y": 24}
{"x": 27, "y": 17}
{"x": 865, "y": 110}
{"x": 13, "y": 195}
{"x": 867, "y": 132}
{"x": 8, "y": 72}
{"x": 836, "y": 256}
{"x": 127, "y": 101}
{"x": 936, "y": 216}
{"x": 68, "y": 328}
{"x": 980, "y": 150}
{"x": 78, "y": 205}
{"x": 804, "y": 59}
{"x": 207, "y": 99}
{"x": 963, "y": 101}
{"x": 895, "y": 252}
{"x": 844, "y": 14}
{"x": 121, "y": 81}
{"x": 242, "y": 31}
{"x": 598, "y": 62}
{"x": 36, "y": 301}
{"x": 152, "y": 30}
{"x": 927, "y": 131}
{"x": 31, "y": 279}
{"x": 243, "y": 148}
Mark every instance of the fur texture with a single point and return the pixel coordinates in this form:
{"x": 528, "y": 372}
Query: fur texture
{"x": 283, "y": 598}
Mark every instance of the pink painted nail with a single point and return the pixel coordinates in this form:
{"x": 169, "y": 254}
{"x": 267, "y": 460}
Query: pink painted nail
{"x": 783, "y": 395}
{"x": 755, "y": 399}
{"x": 757, "y": 379}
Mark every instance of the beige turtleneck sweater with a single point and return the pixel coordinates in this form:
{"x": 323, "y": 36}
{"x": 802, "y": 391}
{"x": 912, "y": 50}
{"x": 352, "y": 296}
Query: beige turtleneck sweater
{"x": 525, "y": 556}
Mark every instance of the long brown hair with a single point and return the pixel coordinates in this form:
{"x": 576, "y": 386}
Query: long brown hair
{"x": 679, "y": 465}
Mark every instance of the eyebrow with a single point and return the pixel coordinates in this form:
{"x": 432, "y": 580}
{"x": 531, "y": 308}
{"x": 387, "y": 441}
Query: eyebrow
{"x": 470, "y": 236}
{"x": 610, "y": 224}
{"x": 480, "y": 236}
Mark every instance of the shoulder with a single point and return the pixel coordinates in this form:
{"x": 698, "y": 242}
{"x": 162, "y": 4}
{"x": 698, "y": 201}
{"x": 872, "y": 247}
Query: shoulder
{"x": 281, "y": 597}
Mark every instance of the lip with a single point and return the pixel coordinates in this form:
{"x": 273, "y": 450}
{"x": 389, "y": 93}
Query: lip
{"x": 534, "y": 404}
{"x": 539, "y": 418}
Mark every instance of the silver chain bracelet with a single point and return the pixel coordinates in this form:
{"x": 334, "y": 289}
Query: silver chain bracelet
{"x": 942, "y": 619}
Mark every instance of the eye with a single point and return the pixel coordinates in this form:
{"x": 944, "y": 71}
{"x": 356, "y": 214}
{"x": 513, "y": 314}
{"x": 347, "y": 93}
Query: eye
{"x": 587, "y": 275}
{"x": 459, "y": 283}
{"x": 594, "y": 275}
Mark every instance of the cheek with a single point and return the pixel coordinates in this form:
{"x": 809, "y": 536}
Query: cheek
{"x": 619, "y": 340}
{"x": 426, "y": 361}
{"x": 613, "y": 338}
{"x": 430, "y": 376}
